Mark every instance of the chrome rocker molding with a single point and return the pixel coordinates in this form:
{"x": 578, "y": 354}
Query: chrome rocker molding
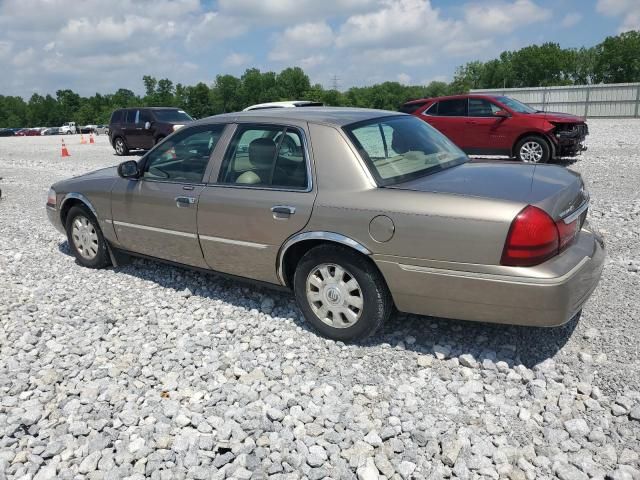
{"x": 328, "y": 236}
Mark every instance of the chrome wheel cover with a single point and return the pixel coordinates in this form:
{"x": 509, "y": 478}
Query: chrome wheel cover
{"x": 531, "y": 152}
{"x": 334, "y": 295}
{"x": 119, "y": 146}
{"x": 84, "y": 237}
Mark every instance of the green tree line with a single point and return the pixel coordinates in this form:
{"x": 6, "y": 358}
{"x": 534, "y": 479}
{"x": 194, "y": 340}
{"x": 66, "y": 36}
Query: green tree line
{"x": 615, "y": 60}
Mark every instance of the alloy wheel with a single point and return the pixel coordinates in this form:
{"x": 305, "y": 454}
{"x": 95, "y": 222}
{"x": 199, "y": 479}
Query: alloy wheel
{"x": 531, "y": 152}
{"x": 334, "y": 295}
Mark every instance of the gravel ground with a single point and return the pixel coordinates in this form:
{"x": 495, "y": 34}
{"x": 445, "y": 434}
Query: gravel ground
{"x": 154, "y": 371}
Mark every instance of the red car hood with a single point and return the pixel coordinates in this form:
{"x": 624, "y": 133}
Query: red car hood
{"x": 559, "y": 117}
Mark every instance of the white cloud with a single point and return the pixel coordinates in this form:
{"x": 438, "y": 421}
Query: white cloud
{"x": 301, "y": 39}
{"x": 403, "y": 78}
{"x": 214, "y": 26}
{"x": 504, "y": 17}
{"x": 282, "y": 11}
{"x": 237, "y": 59}
{"x": 571, "y": 19}
{"x": 628, "y": 9}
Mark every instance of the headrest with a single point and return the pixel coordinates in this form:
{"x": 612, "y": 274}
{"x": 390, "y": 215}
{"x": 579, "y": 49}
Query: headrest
{"x": 262, "y": 152}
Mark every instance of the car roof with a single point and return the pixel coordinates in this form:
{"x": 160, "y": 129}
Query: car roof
{"x": 336, "y": 116}
{"x": 451, "y": 97}
{"x": 287, "y": 104}
{"x": 149, "y": 108}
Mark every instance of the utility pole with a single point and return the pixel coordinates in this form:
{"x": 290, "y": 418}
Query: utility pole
{"x": 335, "y": 80}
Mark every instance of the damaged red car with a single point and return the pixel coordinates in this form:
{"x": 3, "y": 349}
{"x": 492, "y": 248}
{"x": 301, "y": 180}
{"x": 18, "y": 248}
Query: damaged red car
{"x": 501, "y": 125}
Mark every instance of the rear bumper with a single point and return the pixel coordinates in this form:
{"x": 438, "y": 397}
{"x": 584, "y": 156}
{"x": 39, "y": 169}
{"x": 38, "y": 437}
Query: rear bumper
{"x": 516, "y": 300}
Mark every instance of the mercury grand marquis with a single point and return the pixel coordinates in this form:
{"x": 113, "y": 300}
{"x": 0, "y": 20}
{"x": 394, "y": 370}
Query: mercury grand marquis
{"x": 357, "y": 211}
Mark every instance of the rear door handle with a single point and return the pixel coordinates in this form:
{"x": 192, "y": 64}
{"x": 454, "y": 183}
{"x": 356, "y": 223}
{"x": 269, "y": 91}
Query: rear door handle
{"x": 183, "y": 202}
{"x": 282, "y": 212}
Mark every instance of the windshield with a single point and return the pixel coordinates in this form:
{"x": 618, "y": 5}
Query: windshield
{"x": 401, "y": 148}
{"x": 515, "y": 105}
{"x": 176, "y": 116}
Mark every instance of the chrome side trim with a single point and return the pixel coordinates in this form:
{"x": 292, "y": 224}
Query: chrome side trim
{"x": 233, "y": 242}
{"x": 493, "y": 277}
{"x": 82, "y": 198}
{"x": 328, "y": 236}
{"x": 155, "y": 229}
{"x": 570, "y": 218}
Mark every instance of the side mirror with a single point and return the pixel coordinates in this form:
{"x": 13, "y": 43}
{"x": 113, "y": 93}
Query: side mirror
{"x": 501, "y": 114}
{"x": 129, "y": 169}
{"x": 147, "y": 125}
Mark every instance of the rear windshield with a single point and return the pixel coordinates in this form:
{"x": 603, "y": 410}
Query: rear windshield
{"x": 172, "y": 116}
{"x": 411, "y": 107}
{"x": 515, "y": 105}
{"x": 402, "y": 148}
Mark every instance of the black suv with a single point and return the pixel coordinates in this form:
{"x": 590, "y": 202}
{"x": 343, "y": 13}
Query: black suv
{"x": 142, "y": 128}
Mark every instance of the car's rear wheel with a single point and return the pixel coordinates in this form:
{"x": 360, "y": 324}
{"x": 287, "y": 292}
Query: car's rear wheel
{"x": 533, "y": 149}
{"x": 120, "y": 147}
{"x": 85, "y": 238}
{"x": 341, "y": 294}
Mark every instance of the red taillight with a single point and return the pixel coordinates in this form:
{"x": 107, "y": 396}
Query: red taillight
{"x": 567, "y": 232}
{"x": 532, "y": 239}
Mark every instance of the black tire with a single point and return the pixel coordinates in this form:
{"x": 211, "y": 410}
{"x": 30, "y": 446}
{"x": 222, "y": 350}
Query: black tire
{"x": 120, "y": 146}
{"x": 101, "y": 258}
{"x": 377, "y": 303}
{"x": 536, "y": 142}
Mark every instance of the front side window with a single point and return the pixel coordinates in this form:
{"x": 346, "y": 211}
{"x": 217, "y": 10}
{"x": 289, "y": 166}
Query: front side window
{"x": 515, "y": 105}
{"x": 144, "y": 117}
{"x": 131, "y": 116}
{"x": 183, "y": 157}
{"x": 266, "y": 157}
{"x": 399, "y": 148}
{"x": 456, "y": 107}
{"x": 479, "y": 107}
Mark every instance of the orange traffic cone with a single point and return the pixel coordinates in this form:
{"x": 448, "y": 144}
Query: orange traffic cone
{"x": 82, "y": 140}
{"x": 91, "y": 138}
{"x": 65, "y": 152}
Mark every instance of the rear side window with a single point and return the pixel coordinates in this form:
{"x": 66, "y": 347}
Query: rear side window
{"x": 411, "y": 107}
{"x": 131, "y": 116}
{"x": 116, "y": 117}
{"x": 456, "y": 107}
{"x": 265, "y": 157}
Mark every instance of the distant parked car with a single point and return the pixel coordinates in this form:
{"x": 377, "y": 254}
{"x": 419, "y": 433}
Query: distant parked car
{"x": 28, "y": 132}
{"x": 357, "y": 211}
{"x": 102, "y": 130}
{"x": 88, "y": 129}
{"x": 50, "y": 131}
{"x": 289, "y": 104}
{"x": 6, "y": 132}
{"x": 142, "y": 128}
{"x": 500, "y": 125}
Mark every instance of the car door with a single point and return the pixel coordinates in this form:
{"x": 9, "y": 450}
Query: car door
{"x": 487, "y": 133}
{"x": 144, "y": 134}
{"x": 156, "y": 214}
{"x": 131, "y": 136}
{"x": 450, "y": 119}
{"x": 261, "y": 194}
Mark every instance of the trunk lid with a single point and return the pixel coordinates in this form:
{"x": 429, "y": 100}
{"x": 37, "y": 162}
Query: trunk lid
{"x": 556, "y": 190}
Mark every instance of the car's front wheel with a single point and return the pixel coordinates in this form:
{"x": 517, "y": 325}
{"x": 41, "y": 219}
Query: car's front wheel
{"x": 120, "y": 147}
{"x": 533, "y": 149}
{"x": 85, "y": 238}
{"x": 341, "y": 294}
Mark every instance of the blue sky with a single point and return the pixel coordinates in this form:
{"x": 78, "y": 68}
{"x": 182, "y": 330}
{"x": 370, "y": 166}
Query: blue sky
{"x": 97, "y": 46}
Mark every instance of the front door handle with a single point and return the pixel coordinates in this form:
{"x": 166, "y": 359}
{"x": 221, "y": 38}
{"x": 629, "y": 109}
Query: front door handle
{"x": 183, "y": 202}
{"x": 282, "y": 212}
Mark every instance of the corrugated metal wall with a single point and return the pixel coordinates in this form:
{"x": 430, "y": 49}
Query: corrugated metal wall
{"x": 612, "y": 100}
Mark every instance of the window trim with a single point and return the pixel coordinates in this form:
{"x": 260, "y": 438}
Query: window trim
{"x": 426, "y": 112}
{"x": 305, "y": 151}
{"x": 145, "y": 159}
